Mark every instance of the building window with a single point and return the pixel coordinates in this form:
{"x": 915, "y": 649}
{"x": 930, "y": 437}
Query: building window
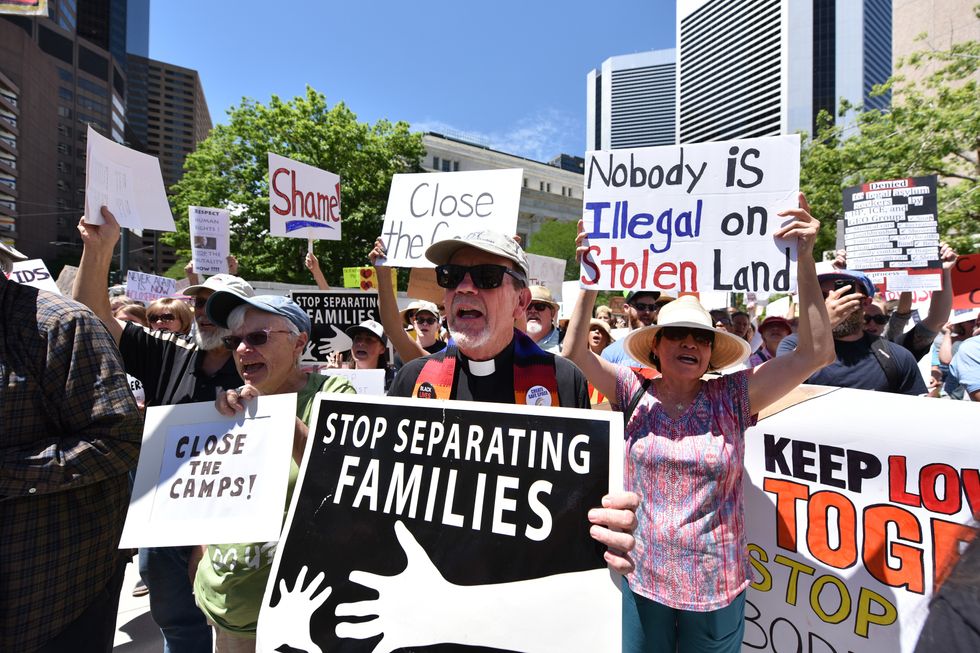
{"x": 446, "y": 165}
{"x": 64, "y": 148}
{"x": 65, "y": 94}
{"x": 455, "y": 166}
{"x": 541, "y": 186}
{"x": 64, "y": 112}
{"x": 549, "y": 186}
{"x": 525, "y": 182}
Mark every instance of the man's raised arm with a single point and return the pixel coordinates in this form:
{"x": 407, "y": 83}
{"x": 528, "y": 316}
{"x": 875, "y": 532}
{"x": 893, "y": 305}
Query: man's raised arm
{"x": 91, "y": 282}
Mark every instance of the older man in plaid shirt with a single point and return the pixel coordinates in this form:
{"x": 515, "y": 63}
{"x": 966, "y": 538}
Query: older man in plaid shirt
{"x": 69, "y": 434}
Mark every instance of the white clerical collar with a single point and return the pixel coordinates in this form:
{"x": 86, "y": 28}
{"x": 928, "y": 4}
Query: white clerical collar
{"x": 481, "y": 368}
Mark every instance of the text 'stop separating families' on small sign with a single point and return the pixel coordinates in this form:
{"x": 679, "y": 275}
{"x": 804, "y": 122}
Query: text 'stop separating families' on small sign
{"x": 333, "y": 312}
{"x": 304, "y": 202}
{"x": 209, "y": 239}
{"x": 469, "y": 519}
{"x": 892, "y": 226}
{"x": 425, "y": 208}
{"x": 690, "y": 218}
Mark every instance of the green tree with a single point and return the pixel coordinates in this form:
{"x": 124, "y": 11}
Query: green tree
{"x": 230, "y": 169}
{"x": 931, "y": 128}
{"x": 557, "y": 240}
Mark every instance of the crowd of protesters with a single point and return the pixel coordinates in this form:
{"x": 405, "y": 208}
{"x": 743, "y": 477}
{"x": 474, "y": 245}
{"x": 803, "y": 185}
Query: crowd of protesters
{"x": 671, "y": 365}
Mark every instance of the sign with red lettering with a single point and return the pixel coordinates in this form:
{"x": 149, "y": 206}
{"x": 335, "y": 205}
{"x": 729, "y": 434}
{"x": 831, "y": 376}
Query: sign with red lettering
{"x": 966, "y": 282}
{"x": 425, "y": 208}
{"x": 851, "y": 530}
{"x": 304, "y": 202}
{"x": 204, "y": 478}
{"x": 690, "y": 218}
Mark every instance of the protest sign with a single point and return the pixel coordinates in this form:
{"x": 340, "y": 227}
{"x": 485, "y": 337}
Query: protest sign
{"x": 547, "y": 271}
{"x": 304, "y": 202}
{"x": 366, "y": 278}
{"x": 33, "y": 272}
{"x": 128, "y": 182}
{"x": 691, "y": 218}
{"x": 425, "y": 208}
{"x": 204, "y": 478}
{"x": 365, "y": 382}
{"x": 148, "y": 287}
{"x": 422, "y": 285}
{"x": 966, "y": 282}
{"x": 332, "y": 312}
{"x": 849, "y": 530}
{"x": 891, "y": 225}
{"x": 470, "y": 520}
{"x": 66, "y": 279}
{"x": 569, "y": 290}
{"x": 209, "y": 239}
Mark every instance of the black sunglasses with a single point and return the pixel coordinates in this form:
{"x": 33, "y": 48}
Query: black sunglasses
{"x": 880, "y": 320}
{"x": 538, "y": 306}
{"x": 425, "y": 320}
{"x": 161, "y": 317}
{"x": 644, "y": 308}
{"x": 253, "y": 339}
{"x": 678, "y": 333}
{"x": 485, "y": 276}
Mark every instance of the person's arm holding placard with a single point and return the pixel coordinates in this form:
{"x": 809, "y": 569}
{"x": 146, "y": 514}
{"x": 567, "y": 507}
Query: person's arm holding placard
{"x": 312, "y": 264}
{"x": 90, "y": 287}
{"x": 391, "y": 320}
{"x": 190, "y": 274}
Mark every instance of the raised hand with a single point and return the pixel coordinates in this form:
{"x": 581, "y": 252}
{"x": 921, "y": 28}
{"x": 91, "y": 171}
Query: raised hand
{"x": 804, "y": 227}
{"x": 102, "y": 237}
{"x": 841, "y": 302}
{"x": 377, "y": 253}
{"x": 291, "y": 616}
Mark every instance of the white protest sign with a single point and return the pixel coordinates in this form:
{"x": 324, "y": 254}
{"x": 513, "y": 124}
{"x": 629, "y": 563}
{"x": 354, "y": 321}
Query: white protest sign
{"x": 365, "y": 382}
{"x": 691, "y": 218}
{"x": 569, "y": 293}
{"x": 148, "y": 287}
{"x": 204, "y": 478}
{"x": 35, "y": 273}
{"x": 425, "y": 208}
{"x": 209, "y": 239}
{"x": 304, "y": 202}
{"x": 128, "y": 182}
{"x": 850, "y": 530}
{"x": 547, "y": 271}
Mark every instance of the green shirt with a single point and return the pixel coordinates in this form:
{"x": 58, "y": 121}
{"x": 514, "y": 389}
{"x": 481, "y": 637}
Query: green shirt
{"x": 231, "y": 578}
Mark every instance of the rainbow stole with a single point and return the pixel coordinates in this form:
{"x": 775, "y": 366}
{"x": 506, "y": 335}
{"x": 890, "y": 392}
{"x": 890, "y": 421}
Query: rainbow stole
{"x": 534, "y": 368}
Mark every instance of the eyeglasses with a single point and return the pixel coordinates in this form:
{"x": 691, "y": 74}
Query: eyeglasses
{"x": 538, "y": 306}
{"x": 880, "y": 320}
{"x": 676, "y": 334}
{"x": 485, "y": 277}
{"x": 644, "y": 308}
{"x": 162, "y": 317}
{"x": 425, "y": 320}
{"x": 253, "y": 339}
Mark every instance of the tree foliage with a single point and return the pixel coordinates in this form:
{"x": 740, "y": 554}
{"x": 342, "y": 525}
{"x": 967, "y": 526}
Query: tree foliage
{"x": 931, "y": 128}
{"x": 557, "y": 240}
{"x": 230, "y": 170}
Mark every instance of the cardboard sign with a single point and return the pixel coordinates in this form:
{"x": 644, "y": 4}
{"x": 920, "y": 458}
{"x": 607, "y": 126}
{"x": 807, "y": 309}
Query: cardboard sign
{"x": 469, "y": 519}
{"x": 209, "y": 239}
{"x": 691, "y": 218}
{"x": 304, "y": 202}
{"x": 33, "y": 272}
{"x": 892, "y": 226}
{"x": 148, "y": 287}
{"x": 966, "y": 282}
{"x": 333, "y": 312}
{"x": 422, "y": 285}
{"x": 366, "y": 278}
{"x": 849, "y": 530}
{"x": 549, "y": 272}
{"x": 204, "y": 478}
{"x": 128, "y": 182}
{"x": 365, "y": 382}
{"x": 425, "y": 208}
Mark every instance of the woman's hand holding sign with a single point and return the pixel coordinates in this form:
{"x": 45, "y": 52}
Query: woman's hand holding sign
{"x": 231, "y": 402}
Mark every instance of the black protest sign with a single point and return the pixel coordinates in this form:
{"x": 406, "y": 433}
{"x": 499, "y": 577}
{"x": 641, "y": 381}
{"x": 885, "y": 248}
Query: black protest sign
{"x": 459, "y": 524}
{"x": 892, "y": 225}
{"x": 332, "y": 313}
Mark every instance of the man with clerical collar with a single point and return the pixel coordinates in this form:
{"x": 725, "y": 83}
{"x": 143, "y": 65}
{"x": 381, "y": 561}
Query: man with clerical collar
{"x": 484, "y": 277}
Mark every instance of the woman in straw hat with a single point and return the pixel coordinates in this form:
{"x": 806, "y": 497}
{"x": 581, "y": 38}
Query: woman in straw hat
{"x": 685, "y": 445}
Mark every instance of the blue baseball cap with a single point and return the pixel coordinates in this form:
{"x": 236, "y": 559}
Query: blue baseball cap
{"x": 223, "y": 302}
{"x": 862, "y": 281}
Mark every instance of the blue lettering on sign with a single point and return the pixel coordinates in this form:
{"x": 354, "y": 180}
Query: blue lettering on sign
{"x": 682, "y": 224}
{"x": 293, "y": 225}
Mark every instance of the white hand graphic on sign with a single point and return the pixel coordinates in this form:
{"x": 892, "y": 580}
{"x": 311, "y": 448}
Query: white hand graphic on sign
{"x": 337, "y": 342}
{"x": 294, "y": 611}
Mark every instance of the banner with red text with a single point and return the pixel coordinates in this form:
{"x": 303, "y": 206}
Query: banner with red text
{"x": 853, "y": 517}
{"x": 304, "y": 202}
{"x": 691, "y": 218}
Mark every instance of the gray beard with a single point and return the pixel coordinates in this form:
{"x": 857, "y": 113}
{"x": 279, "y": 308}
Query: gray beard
{"x": 210, "y": 342}
{"x": 853, "y": 323}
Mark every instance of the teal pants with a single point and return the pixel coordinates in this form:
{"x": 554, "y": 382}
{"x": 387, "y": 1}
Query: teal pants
{"x": 649, "y": 627}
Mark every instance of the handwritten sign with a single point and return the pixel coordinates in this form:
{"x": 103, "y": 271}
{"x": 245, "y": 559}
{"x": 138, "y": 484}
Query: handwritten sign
{"x": 304, "y": 202}
{"x": 128, "y": 182}
{"x": 425, "y": 208}
{"x": 35, "y": 273}
{"x": 547, "y": 271}
{"x": 148, "y": 287}
{"x": 205, "y": 478}
{"x": 209, "y": 239}
{"x": 966, "y": 282}
{"x": 691, "y": 218}
{"x": 365, "y": 382}
{"x": 366, "y": 278}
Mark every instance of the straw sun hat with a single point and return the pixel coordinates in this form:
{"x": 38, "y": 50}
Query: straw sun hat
{"x": 728, "y": 349}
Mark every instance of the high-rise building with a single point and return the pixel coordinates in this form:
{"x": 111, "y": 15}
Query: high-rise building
{"x": 630, "y": 101}
{"x": 944, "y": 22}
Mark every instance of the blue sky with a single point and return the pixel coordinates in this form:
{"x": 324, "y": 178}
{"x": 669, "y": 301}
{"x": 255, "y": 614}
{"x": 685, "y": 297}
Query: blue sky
{"x": 510, "y": 73}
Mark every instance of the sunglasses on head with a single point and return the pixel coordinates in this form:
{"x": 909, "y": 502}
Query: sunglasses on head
{"x": 253, "y": 339}
{"x": 538, "y": 306}
{"x": 880, "y": 320}
{"x": 678, "y": 333}
{"x": 644, "y": 308}
{"x": 485, "y": 276}
{"x": 425, "y": 320}
{"x": 161, "y": 317}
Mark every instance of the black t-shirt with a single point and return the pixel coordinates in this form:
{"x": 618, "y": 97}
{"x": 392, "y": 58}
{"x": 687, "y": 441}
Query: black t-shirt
{"x": 954, "y": 613}
{"x": 573, "y": 390}
{"x": 434, "y": 348}
{"x": 169, "y": 365}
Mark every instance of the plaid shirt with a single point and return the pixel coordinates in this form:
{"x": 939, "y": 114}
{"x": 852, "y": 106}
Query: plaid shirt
{"x": 69, "y": 434}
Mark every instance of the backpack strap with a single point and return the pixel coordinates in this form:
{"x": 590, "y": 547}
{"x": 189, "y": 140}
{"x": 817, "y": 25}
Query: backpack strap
{"x": 884, "y": 357}
{"x": 635, "y": 399}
